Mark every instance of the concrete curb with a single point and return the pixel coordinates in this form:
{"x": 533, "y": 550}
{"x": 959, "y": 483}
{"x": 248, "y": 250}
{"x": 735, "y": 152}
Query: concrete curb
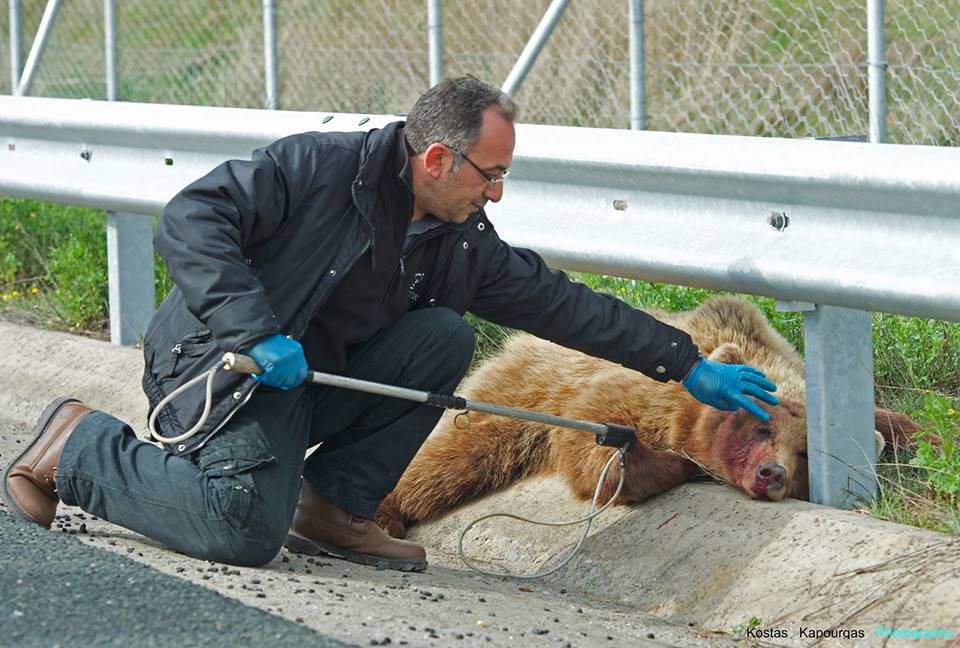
{"x": 705, "y": 554}
{"x": 702, "y": 554}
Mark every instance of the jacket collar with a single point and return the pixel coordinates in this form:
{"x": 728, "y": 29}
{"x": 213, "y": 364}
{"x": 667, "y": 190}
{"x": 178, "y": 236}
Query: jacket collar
{"x": 380, "y": 153}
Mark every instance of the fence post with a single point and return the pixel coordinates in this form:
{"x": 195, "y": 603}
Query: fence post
{"x": 638, "y": 78}
{"x": 271, "y": 68}
{"x": 110, "y": 47}
{"x": 532, "y": 49}
{"x": 840, "y": 408}
{"x": 14, "y": 45}
{"x": 435, "y": 41}
{"x": 877, "y": 71}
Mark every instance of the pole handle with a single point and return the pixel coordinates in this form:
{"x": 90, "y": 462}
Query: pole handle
{"x": 242, "y": 363}
{"x": 618, "y": 436}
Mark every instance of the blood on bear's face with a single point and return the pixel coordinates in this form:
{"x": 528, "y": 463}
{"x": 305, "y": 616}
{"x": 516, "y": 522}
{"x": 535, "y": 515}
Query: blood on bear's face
{"x": 767, "y": 460}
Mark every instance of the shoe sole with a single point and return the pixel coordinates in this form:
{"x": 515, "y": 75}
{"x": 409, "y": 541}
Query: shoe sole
{"x": 44, "y": 421}
{"x": 300, "y": 545}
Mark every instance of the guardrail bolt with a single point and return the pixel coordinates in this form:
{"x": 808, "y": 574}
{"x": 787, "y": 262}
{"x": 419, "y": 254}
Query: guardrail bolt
{"x": 86, "y": 154}
{"x": 778, "y": 220}
{"x": 620, "y": 205}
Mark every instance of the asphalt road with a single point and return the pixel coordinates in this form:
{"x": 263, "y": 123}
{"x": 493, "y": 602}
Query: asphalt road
{"x": 57, "y": 591}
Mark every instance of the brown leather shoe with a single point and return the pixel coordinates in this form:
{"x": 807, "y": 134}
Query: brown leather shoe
{"x": 321, "y": 527}
{"x": 29, "y": 482}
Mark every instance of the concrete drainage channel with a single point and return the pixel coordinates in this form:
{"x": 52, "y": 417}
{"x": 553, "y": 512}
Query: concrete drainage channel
{"x": 682, "y": 569}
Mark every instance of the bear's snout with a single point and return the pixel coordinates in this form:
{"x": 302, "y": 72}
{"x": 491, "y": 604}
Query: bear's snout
{"x": 771, "y": 480}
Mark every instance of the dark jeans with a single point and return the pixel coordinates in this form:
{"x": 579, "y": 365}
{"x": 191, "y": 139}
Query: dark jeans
{"x": 232, "y": 500}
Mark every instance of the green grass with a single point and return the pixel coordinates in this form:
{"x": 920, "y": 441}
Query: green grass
{"x": 53, "y": 266}
{"x": 924, "y": 489}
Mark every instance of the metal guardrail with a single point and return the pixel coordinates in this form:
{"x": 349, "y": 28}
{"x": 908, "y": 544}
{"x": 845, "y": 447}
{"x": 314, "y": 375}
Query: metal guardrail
{"x": 837, "y": 229}
{"x": 129, "y": 157}
{"x": 872, "y": 227}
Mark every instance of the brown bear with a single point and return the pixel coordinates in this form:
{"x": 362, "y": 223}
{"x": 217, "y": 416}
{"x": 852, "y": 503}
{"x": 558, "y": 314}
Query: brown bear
{"x": 678, "y": 437}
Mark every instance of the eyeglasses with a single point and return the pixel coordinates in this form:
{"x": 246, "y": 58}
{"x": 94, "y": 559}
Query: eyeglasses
{"x": 494, "y": 181}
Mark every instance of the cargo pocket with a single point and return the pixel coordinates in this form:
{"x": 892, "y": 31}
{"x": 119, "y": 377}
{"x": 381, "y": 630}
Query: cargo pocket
{"x": 232, "y": 490}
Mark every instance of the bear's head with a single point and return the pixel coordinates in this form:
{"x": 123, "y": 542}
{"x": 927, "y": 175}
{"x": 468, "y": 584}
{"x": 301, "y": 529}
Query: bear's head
{"x": 765, "y": 459}
{"x": 768, "y": 460}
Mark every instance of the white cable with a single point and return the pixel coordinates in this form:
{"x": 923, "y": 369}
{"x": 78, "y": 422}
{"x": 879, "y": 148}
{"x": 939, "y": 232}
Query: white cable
{"x": 588, "y": 519}
{"x": 208, "y": 374}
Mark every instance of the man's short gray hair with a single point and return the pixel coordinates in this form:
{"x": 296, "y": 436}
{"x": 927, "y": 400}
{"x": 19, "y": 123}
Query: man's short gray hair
{"x": 451, "y": 113}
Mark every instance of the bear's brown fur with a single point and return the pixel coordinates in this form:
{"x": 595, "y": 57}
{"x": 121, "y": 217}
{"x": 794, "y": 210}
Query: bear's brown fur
{"x": 678, "y": 436}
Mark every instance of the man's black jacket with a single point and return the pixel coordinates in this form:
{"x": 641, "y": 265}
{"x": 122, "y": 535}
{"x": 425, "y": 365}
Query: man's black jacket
{"x": 256, "y": 247}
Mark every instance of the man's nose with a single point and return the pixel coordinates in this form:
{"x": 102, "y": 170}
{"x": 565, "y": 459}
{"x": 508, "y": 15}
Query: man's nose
{"x": 493, "y": 193}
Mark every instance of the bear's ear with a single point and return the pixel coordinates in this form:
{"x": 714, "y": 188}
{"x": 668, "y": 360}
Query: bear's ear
{"x": 898, "y": 431}
{"x": 881, "y": 443}
{"x": 727, "y": 353}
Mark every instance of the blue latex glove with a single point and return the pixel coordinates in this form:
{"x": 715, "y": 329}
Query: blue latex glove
{"x": 282, "y": 360}
{"x": 726, "y": 387}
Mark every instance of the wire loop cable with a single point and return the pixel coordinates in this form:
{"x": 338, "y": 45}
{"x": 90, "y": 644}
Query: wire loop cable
{"x": 208, "y": 375}
{"x": 588, "y": 519}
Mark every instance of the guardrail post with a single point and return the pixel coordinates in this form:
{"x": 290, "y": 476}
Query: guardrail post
{"x": 840, "y": 408}
{"x": 130, "y": 273}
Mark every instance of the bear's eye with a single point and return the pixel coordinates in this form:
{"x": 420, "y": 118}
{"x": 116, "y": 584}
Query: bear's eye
{"x": 764, "y": 432}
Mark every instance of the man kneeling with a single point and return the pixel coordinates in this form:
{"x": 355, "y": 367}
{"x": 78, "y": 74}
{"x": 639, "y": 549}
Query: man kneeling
{"x": 357, "y": 253}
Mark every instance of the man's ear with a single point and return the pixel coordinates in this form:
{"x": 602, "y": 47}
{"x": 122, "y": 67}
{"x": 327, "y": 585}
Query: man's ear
{"x": 433, "y": 158}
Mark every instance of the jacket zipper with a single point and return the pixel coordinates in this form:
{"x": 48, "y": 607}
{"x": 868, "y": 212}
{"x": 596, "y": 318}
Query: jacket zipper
{"x": 366, "y": 217}
{"x": 177, "y": 352}
{"x": 370, "y": 245}
{"x": 394, "y": 280}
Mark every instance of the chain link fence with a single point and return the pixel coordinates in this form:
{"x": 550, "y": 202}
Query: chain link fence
{"x": 750, "y": 67}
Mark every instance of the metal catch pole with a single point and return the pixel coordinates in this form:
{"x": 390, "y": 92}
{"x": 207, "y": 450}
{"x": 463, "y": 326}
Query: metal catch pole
{"x": 607, "y": 433}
